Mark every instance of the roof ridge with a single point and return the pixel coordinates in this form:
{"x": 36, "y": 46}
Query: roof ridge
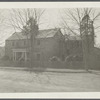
{"x": 49, "y": 29}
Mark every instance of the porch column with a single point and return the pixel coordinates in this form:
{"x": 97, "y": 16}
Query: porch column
{"x": 25, "y": 56}
{"x": 15, "y": 56}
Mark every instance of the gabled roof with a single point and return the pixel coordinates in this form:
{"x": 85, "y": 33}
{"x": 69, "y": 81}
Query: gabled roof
{"x": 17, "y": 36}
{"x": 47, "y": 33}
{"x": 42, "y": 34}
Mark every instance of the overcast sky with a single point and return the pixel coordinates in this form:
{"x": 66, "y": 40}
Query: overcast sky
{"x": 50, "y": 19}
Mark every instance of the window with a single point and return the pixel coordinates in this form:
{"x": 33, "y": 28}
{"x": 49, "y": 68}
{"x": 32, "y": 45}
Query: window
{"x": 38, "y": 42}
{"x": 13, "y": 43}
{"x": 24, "y": 43}
{"x": 17, "y": 44}
{"x": 38, "y": 56}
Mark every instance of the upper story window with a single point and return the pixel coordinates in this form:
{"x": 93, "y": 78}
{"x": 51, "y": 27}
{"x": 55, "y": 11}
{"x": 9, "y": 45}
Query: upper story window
{"x": 24, "y": 43}
{"x": 17, "y": 44}
{"x": 13, "y": 44}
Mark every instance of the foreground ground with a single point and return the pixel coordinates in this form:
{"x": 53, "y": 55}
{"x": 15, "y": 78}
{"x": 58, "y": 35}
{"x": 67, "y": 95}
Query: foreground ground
{"x": 23, "y": 81}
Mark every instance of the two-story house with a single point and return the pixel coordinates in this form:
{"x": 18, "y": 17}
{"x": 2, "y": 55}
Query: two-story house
{"x": 48, "y": 43}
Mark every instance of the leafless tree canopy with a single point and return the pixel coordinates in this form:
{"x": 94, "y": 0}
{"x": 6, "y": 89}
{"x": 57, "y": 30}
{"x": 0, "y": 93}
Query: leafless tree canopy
{"x": 72, "y": 18}
{"x": 20, "y": 17}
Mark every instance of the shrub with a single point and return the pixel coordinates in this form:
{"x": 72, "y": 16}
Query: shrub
{"x": 69, "y": 58}
{"x": 74, "y": 58}
{"x": 54, "y": 59}
{"x": 77, "y": 58}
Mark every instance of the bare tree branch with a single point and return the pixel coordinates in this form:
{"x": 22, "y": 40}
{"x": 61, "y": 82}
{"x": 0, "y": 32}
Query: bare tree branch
{"x": 76, "y": 15}
{"x": 20, "y": 17}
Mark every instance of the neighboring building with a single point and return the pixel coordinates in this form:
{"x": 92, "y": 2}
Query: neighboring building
{"x": 73, "y": 45}
{"x": 83, "y": 43}
{"x": 48, "y": 43}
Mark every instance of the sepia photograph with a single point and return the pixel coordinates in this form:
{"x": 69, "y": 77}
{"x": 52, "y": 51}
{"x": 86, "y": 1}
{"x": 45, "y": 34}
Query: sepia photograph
{"x": 46, "y": 50}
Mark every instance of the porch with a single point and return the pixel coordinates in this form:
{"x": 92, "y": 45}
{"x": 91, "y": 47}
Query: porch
{"x": 20, "y": 55}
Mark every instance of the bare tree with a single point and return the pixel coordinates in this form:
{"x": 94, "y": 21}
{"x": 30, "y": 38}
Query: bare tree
{"x": 2, "y": 26}
{"x": 19, "y": 18}
{"x": 72, "y": 19}
{"x": 27, "y": 21}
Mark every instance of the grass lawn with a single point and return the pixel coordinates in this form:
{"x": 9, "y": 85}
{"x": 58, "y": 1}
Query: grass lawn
{"x": 24, "y": 81}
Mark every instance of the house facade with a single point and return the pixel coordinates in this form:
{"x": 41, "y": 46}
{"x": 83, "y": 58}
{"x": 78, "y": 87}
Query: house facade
{"x": 48, "y": 43}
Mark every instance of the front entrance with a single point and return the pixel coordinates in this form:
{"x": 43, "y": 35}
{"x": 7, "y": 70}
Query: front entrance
{"x": 20, "y": 55}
